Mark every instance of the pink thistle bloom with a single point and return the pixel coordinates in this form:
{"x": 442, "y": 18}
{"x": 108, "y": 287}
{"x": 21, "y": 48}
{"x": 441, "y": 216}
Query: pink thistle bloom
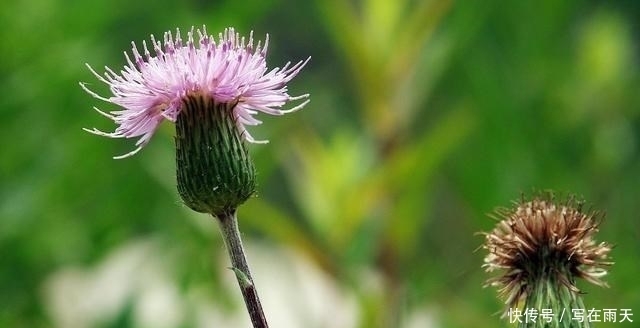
{"x": 151, "y": 89}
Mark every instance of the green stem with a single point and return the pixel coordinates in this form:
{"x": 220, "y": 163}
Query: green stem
{"x": 228, "y": 222}
{"x": 551, "y": 294}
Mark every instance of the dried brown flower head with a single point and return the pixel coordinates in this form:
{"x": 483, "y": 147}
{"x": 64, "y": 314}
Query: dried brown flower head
{"x": 540, "y": 242}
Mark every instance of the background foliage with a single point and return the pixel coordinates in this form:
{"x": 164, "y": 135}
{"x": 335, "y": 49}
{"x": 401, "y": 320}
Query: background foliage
{"x": 425, "y": 115}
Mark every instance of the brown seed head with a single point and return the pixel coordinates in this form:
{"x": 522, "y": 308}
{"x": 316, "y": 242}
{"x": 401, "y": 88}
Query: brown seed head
{"x": 542, "y": 240}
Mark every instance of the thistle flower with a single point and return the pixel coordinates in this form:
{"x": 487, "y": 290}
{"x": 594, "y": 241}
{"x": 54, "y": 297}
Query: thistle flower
{"x": 541, "y": 248}
{"x": 211, "y": 90}
{"x": 151, "y": 89}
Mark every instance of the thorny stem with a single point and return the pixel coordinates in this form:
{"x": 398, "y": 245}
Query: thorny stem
{"x": 228, "y": 222}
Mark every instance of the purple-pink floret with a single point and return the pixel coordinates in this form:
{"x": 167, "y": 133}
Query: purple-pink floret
{"x": 151, "y": 89}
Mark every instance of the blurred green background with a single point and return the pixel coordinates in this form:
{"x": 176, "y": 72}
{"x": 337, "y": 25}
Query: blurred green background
{"x": 425, "y": 115}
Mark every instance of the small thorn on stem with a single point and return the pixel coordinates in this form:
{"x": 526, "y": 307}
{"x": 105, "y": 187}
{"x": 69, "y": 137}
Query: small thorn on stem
{"x": 243, "y": 279}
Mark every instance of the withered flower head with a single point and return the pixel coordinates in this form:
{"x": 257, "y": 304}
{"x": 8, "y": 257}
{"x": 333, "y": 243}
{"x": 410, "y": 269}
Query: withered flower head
{"x": 541, "y": 247}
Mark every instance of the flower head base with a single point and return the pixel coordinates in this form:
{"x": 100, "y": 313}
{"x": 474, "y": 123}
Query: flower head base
{"x": 214, "y": 171}
{"x": 231, "y": 70}
{"x": 541, "y": 247}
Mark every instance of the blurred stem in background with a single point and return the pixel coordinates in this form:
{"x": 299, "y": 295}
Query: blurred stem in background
{"x": 382, "y": 43}
{"x": 383, "y": 47}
